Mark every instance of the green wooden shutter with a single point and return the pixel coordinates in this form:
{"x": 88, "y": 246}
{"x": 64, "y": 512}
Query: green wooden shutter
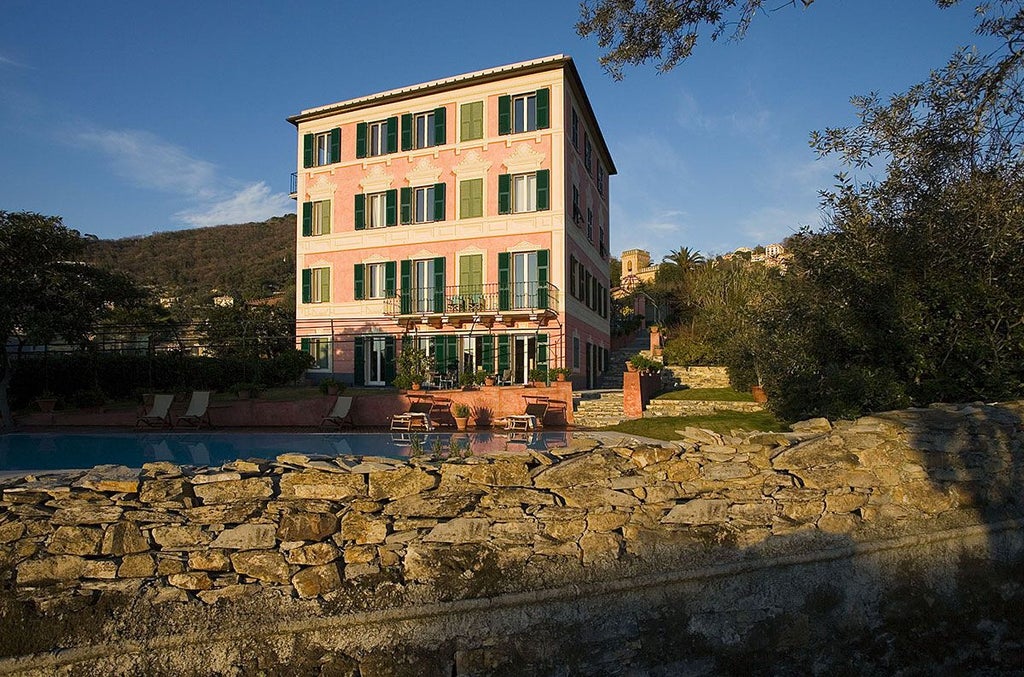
{"x": 360, "y": 211}
{"x": 361, "y": 140}
{"x": 543, "y": 108}
{"x": 487, "y": 357}
{"x": 325, "y": 217}
{"x": 439, "y": 213}
{"x": 572, "y": 275}
{"x": 505, "y": 114}
{"x": 504, "y": 193}
{"x": 542, "y": 351}
{"x": 307, "y": 219}
{"x": 406, "y": 283}
{"x": 359, "y": 365}
{"x": 390, "y": 208}
{"x": 543, "y": 189}
{"x": 336, "y": 145}
{"x": 389, "y": 279}
{"x": 439, "y": 126}
{"x": 393, "y": 134}
{"x": 439, "y": 290}
{"x": 358, "y": 275}
{"x": 504, "y": 297}
{"x": 307, "y": 285}
{"x": 406, "y": 131}
{"x": 325, "y": 286}
{"x": 305, "y": 346}
{"x": 504, "y": 350}
{"x": 542, "y": 278}
{"x": 471, "y": 127}
{"x": 471, "y": 198}
{"x": 406, "y": 204}
{"x": 307, "y": 150}
{"x": 389, "y": 359}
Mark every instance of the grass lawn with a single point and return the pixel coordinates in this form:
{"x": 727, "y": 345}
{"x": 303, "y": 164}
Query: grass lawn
{"x": 665, "y": 427}
{"x": 709, "y": 394}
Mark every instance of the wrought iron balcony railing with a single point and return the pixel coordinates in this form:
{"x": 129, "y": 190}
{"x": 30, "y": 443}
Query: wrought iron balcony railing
{"x": 478, "y": 299}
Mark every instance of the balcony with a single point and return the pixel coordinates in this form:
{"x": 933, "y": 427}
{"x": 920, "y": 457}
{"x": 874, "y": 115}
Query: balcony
{"x": 293, "y": 193}
{"x": 481, "y": 303}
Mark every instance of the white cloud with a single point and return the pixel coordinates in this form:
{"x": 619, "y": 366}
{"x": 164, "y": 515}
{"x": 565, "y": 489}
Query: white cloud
{"x": 150, "y": 162}
{"x": 773, "y": 224}
{"x": 4, "y": 61}
{"x": 253, "y": 202}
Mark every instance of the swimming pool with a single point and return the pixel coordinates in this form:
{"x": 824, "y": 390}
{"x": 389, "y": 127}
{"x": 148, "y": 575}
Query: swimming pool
{"x": 23, "y": 452}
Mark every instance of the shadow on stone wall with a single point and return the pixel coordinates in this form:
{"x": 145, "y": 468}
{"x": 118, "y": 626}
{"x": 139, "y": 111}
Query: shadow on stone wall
{"x": 884, "y": 544}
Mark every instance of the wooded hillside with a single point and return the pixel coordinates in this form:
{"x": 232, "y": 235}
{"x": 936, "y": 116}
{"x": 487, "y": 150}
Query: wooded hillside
{"x": 250, "y": 260}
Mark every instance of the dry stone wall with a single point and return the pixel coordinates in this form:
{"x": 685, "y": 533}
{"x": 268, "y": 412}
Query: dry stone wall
{"x": 315, "y": 529}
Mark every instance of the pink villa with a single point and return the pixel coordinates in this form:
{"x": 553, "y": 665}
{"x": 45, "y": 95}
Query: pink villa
{"x": 467, "y": 216}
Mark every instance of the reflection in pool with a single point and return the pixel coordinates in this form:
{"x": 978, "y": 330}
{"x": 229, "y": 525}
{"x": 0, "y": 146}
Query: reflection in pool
{"x": 58, "y": 451}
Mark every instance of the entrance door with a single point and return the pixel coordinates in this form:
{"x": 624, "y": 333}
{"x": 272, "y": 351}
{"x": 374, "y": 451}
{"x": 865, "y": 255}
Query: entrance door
{"x": 376, "y": 361}
{"x": 590, "y": 366}
{"x": 523, "y": 357}
{"x": 524, "y": 280}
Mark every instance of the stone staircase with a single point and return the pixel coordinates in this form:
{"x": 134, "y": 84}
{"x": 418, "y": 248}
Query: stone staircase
{"x": 612, "y": 378}
{"x": 599, "y": 408}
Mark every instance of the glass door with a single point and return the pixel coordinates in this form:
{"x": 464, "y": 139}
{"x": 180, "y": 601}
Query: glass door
{"x": 375, "y": 361}
{"x": 524, "y": 280}
{"x": 523, "y": 357}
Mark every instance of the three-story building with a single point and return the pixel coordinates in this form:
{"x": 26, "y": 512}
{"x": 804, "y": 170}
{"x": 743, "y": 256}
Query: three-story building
{"x": 467, "y": 216}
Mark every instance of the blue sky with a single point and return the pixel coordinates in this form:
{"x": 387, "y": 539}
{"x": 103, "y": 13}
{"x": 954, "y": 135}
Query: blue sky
{"x": 128, "y": 118}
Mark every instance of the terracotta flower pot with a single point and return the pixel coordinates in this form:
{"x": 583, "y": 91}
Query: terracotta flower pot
{"x": 460, "y": 423}
{"x": 759, "y": 394}
{"x": 415, "y": 386}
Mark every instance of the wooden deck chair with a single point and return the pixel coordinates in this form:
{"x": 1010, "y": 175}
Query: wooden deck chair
{"x": 532, "y": 418}
{"x": 159, "y": 413}
{"x": 340, "y": 414}
{"x": 506, "y": 378}
{"x": 418, "y": 416}
{"x": 198, "y": 411}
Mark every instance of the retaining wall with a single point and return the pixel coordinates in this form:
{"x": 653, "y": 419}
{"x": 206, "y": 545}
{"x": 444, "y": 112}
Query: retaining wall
{"x": 584, "y": 556}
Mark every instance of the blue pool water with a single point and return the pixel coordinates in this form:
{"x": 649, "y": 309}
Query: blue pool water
{"x": 62, "y": 451}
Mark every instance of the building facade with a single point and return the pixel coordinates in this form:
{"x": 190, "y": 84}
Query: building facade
{"x": 467, "y": 216}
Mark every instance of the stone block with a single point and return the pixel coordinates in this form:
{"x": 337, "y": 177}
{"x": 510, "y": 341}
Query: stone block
{"x": 513, "y": 496}
{"x": 596, "y": 497}
{"x": 313, "y": 554}
{"x": 513, "y": 532}
{"x": 360, "y": 554}
{"x": 164, "y": 490}
{"x": 104, "y": 569}
{"x": 699, "y": 511}
{"x": 264, "y": 565}
{"x": 431, "y": 505}
{"x": 606, "y": 520}
{"x": 176, "y": 537}
{"x": 400, "y": 482}
{"x": 723, "y": 472}
{"x": 246, "y": 537}
{"x": 316, "y": 484}
{"x": 460, "y": 530}
{"x": 362, "y": 528}
{"x": 648, "y": 455}
{"x": 492, "y": 474}
{"x": 838, "y": 524}
{"x": 139, "y": 565}
{"x": 591, "y": 468}
{"x": 191, "y": 580}
{"x": 83, "y": 512}
{"x": 306, "y": 526}
{"x": 223, "y": 513}
{"x": 49, "y": 570}
{"x": 123, "y": 538}
{"x": 68, "y": 540}
{"x": 227, "y": 592}
{"x": 317, "y": 580}
{"x": 117, "y": 479}
{"x": 232, "y": 491}
{"x": 209, "y": 560}
{"x": 844, "y": 503}
{"x": 11, "y": 532}
{"x": 600, "y": 547}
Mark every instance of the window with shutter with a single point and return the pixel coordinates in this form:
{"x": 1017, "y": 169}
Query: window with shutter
{"x": 471, "y": 198}
{"x": 471, "y": 123}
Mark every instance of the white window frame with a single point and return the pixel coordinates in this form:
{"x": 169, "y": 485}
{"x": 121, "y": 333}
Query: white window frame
{"x": 376, "y": 210}
{"x": 524, "y": 193}
{"x": 524, "y": 273}
{"x": 316, "y": 284}
{"x": 320, "y": 210}
{"x": 524, "y": 113}
{"x": 375, "y": 281}
{"x": 322, "y": 149}
{"x": 423, "y": 130}
{"x": 377, "y": 138}
{"x": 423, "y": 285}
{"x": 423, "y": 204}
{"x": 320, "y": 350}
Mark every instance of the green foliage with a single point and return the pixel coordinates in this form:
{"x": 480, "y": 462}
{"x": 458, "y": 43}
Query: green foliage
{"x": 644, "y": 364}
{"x": 724, "y": 422}
{"x": 538, "y": 374}
{"x": 461, "y": 410}
{"x": 689, "y": 349}
{"x": 467, "y": 378}
{"x": 413, "y": 366}
{"x": 123, "y": 376}
{"x": 326, "y": 384}
{"x": 248, "y": 331}
{"x": 192, "y": 263}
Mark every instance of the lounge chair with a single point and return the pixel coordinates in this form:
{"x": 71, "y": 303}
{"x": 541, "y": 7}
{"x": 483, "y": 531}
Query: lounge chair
{"x": 159, "y": 413}
{"x": 198, "y": 411}
{"x": 340, "y": 414}
{"x": 506, "y": 378}
{"x": 418, "y": 416}
{"x": 532, "y": 418}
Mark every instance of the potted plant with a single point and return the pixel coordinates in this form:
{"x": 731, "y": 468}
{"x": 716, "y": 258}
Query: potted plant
{"x": 46, "y": 401}
{"x": 460, "y": 412}
{"x": 539, "y": 376}
{"x": 488, "y": 379}
{"x": 413, "y": 368}
{"x": 331, "y": 386}
{"x": 467, "y": 380}
{"x": 643, "y": 364}
{"x": 561, "y": 373}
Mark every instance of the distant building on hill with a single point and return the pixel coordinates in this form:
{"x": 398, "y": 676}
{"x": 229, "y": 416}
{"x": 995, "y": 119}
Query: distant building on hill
{"x": 636, "y": 269}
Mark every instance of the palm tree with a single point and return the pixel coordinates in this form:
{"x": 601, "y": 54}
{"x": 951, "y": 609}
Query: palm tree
{"x": 687, "y": 259}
